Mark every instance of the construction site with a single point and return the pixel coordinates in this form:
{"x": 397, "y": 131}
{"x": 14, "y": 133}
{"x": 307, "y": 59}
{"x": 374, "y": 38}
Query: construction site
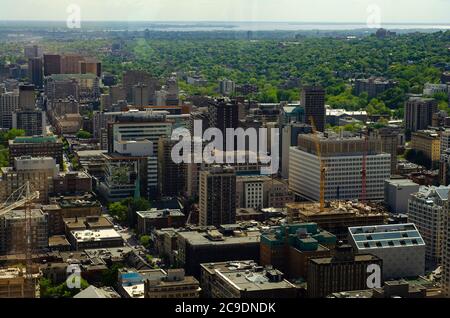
{"x": 337, "y": 216}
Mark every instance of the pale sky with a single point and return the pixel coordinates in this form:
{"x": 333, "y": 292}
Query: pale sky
{"x": 390, "y": 11}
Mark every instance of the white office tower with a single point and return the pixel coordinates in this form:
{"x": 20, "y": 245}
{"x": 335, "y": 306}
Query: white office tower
{"x": 426, "y": 209}
{"x": 343, "y": 159}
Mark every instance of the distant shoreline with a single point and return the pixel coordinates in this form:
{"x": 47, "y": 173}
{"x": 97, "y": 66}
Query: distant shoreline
{"x": 193, "y": 26}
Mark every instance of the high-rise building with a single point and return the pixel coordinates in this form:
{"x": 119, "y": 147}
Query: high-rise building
{"x": 132, "y": 78}
{"x": 92, "y": 66}
{"x": 36, "y": 72}
{"x": 223, "y": 114}
{"x": 9, "y": 103}
{"x": 344, "y": 271}
{"x": 217, "y": 196}
{"x": 227, "y": 87}
{"x": 428, "y": 143}
{"x": 391, "y": 138}
{"x": 372, "y": 86}
{"x": 141, "y": 95}
{"x": 343, "y": 159}
{"x": 313, "y": 100}
{"x": 13, "y": 232}
{"x": 27, "y": 97}
{"x": 419, "y": 113}
{"x": 32, "y": 122}
{"x": 31, "y": 51}
{"x": 39, "y": 171}
{"x": 288, "y": 139}
{"x": 426, "y": 209}
{"x": 171, "y": 175}
{"x": 52, "y": 64}
{"x": 70, "y": 63}
{"x": 36, "y": 146}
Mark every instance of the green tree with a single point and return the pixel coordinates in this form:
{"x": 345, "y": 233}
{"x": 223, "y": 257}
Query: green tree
{"x": 146, "y": 241}
{"x": 119, "y": 211}
{"x": 82, "y": 134}
{"x": 110, "y": 276}
{"x": 49, "y": 290}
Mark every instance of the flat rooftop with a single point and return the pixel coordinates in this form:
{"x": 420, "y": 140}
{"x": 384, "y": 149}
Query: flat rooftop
{"x": 386, "y": 236}
{"x": 96, "y": 235}
{"x": 358, "y": 258}
{"x": 159, "y": 214}
{"x": 216, "y": 238}
{"x": 338, "y": 208}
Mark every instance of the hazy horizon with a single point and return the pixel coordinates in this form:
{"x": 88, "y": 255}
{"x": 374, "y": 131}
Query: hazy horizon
{"x": 289, "y": 11}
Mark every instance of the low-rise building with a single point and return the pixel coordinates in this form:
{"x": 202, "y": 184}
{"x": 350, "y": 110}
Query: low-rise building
{"x": 344, "y": 271}
{"x": 99, "y": 238}
{"x": 209, "y": 245}
{"x": 36, "y": 146}
{"x": 158, "y": 219}
{"x": 175, "y": 284}
{"x": 244, "y": 279}
{"x": 290, "y": 247}
{"x": 399, "y": 246}
{"x": 397, "y": 192}
{"x": 13, "y": 284}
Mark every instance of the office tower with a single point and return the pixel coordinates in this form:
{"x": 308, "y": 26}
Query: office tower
{"x": 140, "y": 95}
{"x": 391, "y": 138}
{"x": 419, "y": 113}
{"x": 227, "y": 87}
{"x": 131, "y": 170}
{"x": 36, "y": 146}
{"x": 426, "y": 209}
{"x": 138, "y": 125}
{"x": 116, "y": 94}
{"x": 445, "y": 278}
{"x": 313, "y": 100}
{"x": 257, "y": 192}
{"x": 91, "y": 66}
{"x": 372, "y": 86}
{"x": 70, "y": 63}
{"x": 109, "y": 79}
{"x": 397, "y": 191}
{"x": 171, "y": 175}
{"x": 132, "y": 78}
{"x": 61, "y": 89}
{"x": 172, "y": 91}
{"x": 217, "y": 196}
{"x": 40, "y": 171}
{"x": 36, "y": 72}
{"x": 223, "y": 114}
{"x": 32, "y": 122}
{"x": 288, "y": 139}
{"x": 345, "y": 271}
{"x": 399, "y": 246}
{"x": 52, "y": 64}
{"x": 9, "y": 103}
{"x": 427, "y": 142}
{"x": 32, "y": 51}
{"x": 27, "y": 98}
{"x": 343, "y": 159}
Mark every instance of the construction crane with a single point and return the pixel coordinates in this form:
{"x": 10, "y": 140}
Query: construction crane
{"x": 323, "y": 168}
{"x": 364, "y": 171}
{"x": 24, "y": 197}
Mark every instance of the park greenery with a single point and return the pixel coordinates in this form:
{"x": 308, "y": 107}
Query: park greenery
{"x": 50, "y": 290}
{"x": 120, "y": 210}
